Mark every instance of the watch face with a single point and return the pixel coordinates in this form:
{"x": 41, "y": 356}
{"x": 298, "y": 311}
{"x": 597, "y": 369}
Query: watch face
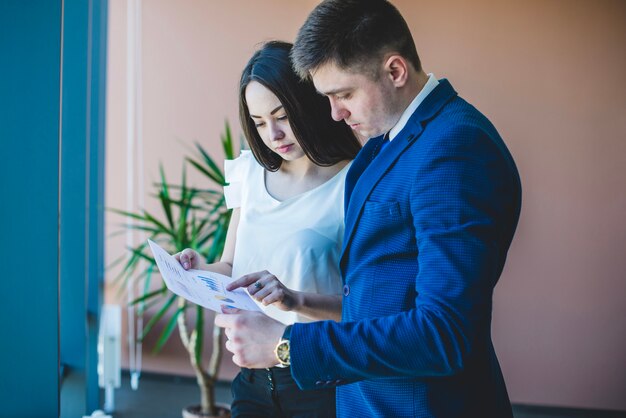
{"x": 282, "y": 352}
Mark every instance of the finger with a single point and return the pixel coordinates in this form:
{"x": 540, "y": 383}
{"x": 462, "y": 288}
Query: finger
{"x": 186, "y": 256}
{"x": 264, "y": 291}
{"x": 256, "y": 287}
{"x": 229, "y": 333}
{"x": 244, "y": 281}
{"x": 236, "y": 360}
{"x": 266, "y": 281}
{"x": 277, "y": 295}
{"x": 225, "y": 320}
{"x": 273, "y": 297}
{"x": 229, "y": 310}
{"x": 229, "y": 346}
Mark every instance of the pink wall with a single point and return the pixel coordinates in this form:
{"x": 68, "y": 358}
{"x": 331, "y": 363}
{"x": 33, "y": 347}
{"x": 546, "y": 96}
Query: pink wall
{"x": 549, "y": 74}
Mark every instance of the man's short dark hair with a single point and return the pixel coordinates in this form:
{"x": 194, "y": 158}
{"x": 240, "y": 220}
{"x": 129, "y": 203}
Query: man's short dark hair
{"x": 323, "y": 140}
{"x": 354, "y": 35}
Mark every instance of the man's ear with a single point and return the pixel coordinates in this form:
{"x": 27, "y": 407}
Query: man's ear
{"x": 397, "y": 70}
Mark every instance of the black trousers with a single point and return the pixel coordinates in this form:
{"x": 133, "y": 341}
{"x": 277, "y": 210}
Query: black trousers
{"x": 273, "y": 393}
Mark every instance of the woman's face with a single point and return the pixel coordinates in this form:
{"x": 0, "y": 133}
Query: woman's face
{"x": 271, "y": 122}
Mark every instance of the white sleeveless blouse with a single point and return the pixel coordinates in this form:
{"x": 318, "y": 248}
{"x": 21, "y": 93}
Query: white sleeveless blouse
{"x": 298, "y": 239}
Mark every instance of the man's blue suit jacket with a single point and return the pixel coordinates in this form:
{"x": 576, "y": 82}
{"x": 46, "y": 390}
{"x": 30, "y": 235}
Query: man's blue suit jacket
{"x": 428, "y": 225}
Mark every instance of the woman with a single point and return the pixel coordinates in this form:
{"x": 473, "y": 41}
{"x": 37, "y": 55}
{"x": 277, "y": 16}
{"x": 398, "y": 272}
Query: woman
{"x": 287, "y": 196}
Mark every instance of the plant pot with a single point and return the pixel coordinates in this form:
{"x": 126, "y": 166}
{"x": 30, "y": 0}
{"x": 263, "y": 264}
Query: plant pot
{"x": 223, "y": 411}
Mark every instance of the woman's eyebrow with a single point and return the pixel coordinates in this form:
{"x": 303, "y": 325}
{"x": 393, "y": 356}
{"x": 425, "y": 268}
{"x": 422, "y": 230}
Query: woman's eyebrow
{"x": 276, "y": 109}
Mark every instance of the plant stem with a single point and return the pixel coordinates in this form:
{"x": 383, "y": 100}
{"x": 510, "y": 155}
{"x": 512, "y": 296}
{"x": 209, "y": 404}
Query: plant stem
{"x": 206, "y": 380}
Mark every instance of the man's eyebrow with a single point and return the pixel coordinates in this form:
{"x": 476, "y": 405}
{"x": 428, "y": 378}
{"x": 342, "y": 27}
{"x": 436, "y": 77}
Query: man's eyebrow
{"x": 276, "y": 109}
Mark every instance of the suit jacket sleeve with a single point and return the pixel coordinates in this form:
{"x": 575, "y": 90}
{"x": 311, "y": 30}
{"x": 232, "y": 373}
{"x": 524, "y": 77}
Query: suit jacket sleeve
{"x": 461, "y": 201}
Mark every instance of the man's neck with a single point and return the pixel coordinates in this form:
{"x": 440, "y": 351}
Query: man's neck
{"x": 414, "y": 85}
{"x": 414, "y": 94}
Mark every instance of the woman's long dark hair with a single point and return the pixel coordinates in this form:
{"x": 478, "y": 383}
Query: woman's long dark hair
{"x": 324, "y": 141}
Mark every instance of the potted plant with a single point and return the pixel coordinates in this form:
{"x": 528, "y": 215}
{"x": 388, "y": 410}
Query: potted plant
{"x": 191, "y": 218}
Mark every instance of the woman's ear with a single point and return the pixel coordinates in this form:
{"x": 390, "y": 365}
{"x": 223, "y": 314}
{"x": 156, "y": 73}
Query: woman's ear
{"x": 396, "y": 69}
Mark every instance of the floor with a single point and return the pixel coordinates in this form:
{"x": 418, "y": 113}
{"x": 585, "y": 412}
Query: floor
{"x": 161, "y": 396}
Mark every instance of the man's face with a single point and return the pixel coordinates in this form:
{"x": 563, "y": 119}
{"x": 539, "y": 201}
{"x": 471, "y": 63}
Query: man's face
{"x": 364, "y": 103}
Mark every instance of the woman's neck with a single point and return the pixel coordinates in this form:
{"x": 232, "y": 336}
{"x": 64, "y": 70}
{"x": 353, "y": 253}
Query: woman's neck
{"x": 300, "y": 168}
{"x": 297, "y": 177}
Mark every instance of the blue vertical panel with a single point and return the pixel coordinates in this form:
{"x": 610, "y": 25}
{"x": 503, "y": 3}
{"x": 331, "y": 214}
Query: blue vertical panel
{"x": 74, "y": 148}
{"x": 82, "y": 192}
{"x": 74, "y": 239}
{"x": 30, "y": 47}
{"x": 95, "y": 199}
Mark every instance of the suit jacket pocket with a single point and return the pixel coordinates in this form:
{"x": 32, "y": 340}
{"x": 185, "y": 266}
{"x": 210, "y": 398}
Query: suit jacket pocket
{"x": 385, "y": 230}
{"x": 382, "y": 209}
{"x": 382, "y": 229}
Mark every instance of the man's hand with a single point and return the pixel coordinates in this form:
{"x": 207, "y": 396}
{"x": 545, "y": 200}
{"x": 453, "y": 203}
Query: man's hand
{"x": 252, "y": 337}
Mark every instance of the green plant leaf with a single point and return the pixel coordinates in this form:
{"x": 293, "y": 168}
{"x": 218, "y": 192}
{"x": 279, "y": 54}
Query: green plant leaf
{"x": 216, "y": 178}
{"x": 217, "y": 247}
{"x": 181, "y": 231}
{"x": 129, "y": 214}
{"x": 143, "y": 308}
{"x": 148, "y": 280}
{"x": 165, "y": 198}
{"x": 149, "y": 295}
{"x": 227, "y": 142}
{"x": 157, "y": 316}
{"x": 138, "y": 251}
{"x": 149, "y": 229}
{"x": 194, "y": 231}
{"x": 199, "y": 346}
{"x": 167, "y": 331}
{"x": 212, "y": 166}
{"x": 164, "y": 230}
{"x": 128, "y": 268}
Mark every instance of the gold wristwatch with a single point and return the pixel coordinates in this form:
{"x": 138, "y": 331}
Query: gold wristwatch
{"x": 282, "y": 348}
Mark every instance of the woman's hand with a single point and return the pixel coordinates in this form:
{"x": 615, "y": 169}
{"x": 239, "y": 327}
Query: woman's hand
{"x": 267, "y": 289}
{"x": 189, "y": 259}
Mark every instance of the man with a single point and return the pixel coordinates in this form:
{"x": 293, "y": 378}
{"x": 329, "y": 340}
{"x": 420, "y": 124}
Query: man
{"x": 432, "y": 200}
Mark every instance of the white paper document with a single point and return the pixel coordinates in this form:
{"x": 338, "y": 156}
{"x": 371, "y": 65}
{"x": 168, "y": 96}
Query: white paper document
{"x": 201, "y": 287}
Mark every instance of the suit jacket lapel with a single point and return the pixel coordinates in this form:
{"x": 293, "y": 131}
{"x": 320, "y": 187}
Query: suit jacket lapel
{"x": 360, "y": 163}
{"x": 369, "y": 168}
